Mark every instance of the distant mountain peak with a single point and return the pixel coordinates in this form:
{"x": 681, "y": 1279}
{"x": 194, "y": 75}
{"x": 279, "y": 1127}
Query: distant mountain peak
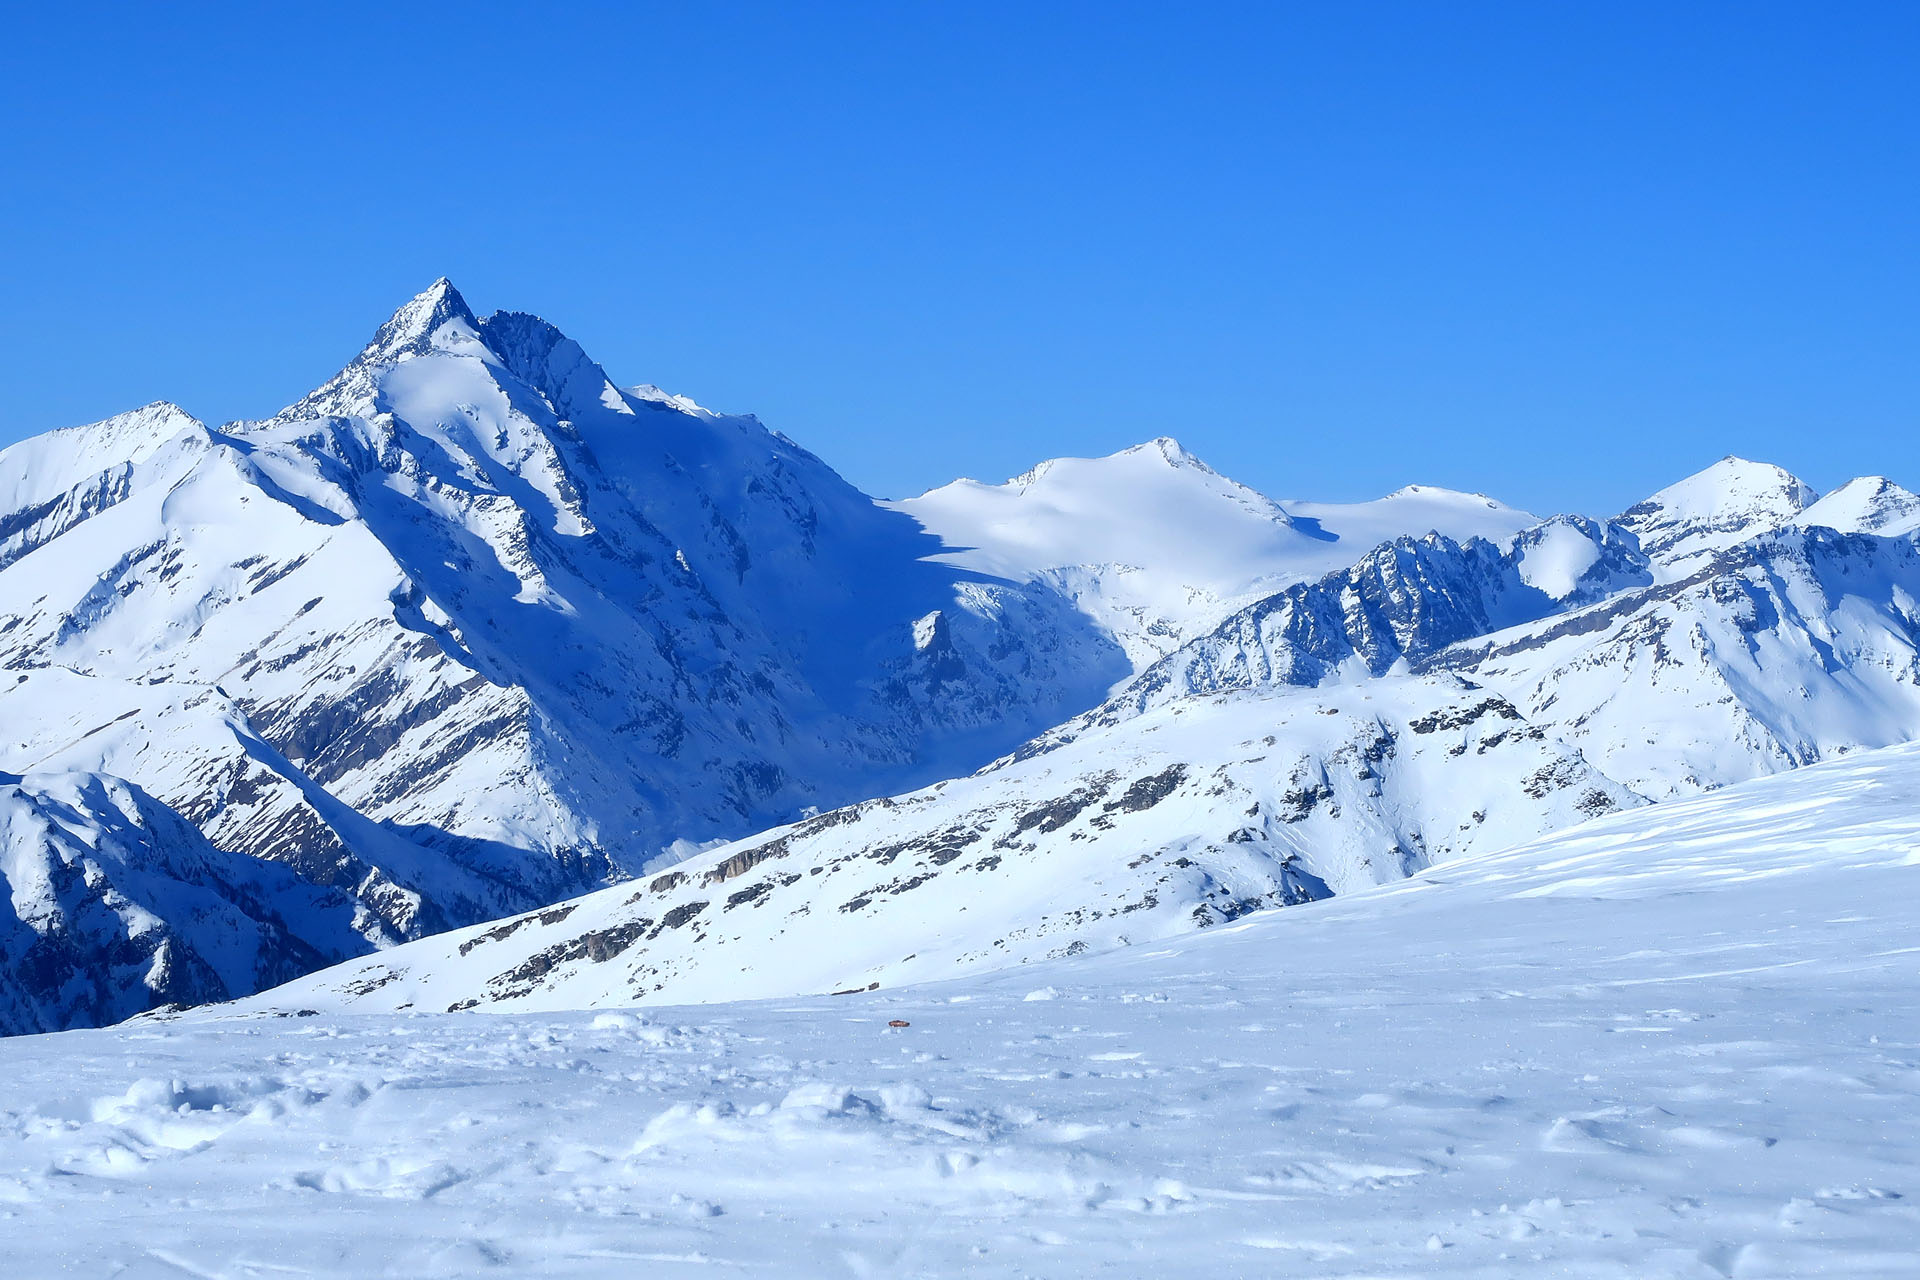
{"x": 1728, "y": 502}
{"x": 46, "y": 465}
{"x": 1734, "y": 479}
{"x": 1867, "y": 504}
{"x": 1170, "y": 450}
{"x": 1160, "y": 449}
{"x": 1432, "y": 492}
{"x": 436, "y": 318}
{"x": 655, "y": 395}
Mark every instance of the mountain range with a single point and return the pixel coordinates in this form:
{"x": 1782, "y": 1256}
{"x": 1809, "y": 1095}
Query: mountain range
{"x": 492, "y": 682}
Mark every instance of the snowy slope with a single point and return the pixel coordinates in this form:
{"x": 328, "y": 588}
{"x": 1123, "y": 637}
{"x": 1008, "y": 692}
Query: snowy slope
{"x": 1868, "y": 504}
{"x": 1789, "y": 648}
{"x": 1158, "y": 547}
{"x": 1673, "y": 1044}
{"x": 1197, "y": 813}
{"x": 469, "y": 629}
{"x": 1711, "y": 510}
{"x": 116, "y": 903}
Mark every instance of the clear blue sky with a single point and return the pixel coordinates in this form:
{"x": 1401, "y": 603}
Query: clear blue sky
{"x": 1563, "y": 253}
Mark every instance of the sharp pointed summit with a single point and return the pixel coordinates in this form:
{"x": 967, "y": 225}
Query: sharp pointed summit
{"x": 435, "y": 319}
{"x": 412, "y": 327}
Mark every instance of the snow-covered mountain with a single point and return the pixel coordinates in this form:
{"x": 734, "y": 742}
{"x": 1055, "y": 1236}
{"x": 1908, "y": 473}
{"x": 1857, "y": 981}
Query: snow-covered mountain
{"x": 1404, "y": 601}
{"x": 472, "y": 629}
{"x": 1158, "y": 547}
{"x": 1286, "y": 755}
{"x": 1868, "y": 504}
{"x": 1753, "y": 638}
{"x": 1797, "y": 645}
{"x": 1712, "y": 510}
{"x": 1194, "y": 814}
{"x": 468, "y": 629}
{"x": 118, "y": 902}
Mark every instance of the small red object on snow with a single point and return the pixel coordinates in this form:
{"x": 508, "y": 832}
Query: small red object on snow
{"x": 899, "y": 1022}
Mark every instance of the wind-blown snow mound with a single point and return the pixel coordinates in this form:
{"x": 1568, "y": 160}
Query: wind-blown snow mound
{"x": 1678, "y": 1042}
{"x": 1191, "y": 815}
{"x": 1158, "y": 547}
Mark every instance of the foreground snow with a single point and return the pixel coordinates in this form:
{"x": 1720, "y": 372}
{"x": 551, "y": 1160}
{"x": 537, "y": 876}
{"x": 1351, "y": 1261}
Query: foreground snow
{"x": 1682, "y": 1041}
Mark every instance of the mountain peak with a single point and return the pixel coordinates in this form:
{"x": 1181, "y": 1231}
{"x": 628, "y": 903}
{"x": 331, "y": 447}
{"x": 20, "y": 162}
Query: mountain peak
{"x": 1736, "y": 482}
{"x": 1160, "y": 449}
{"x": 1171, "y": 451}
{"x": 1867, "y": 504}
{"x": 436, "y": 318}
{"x": 547, "y": 360}
{"x": 1728, "y": 502}
{"x": 410, "y": 330}
{"x": 133, "y": 435}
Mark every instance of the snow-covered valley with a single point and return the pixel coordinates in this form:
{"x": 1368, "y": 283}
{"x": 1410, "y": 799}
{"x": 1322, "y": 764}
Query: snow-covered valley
{"x": 1681, "y": 1041}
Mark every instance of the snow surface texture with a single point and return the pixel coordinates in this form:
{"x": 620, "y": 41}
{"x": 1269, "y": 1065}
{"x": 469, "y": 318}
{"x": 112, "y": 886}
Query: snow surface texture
{"x": 1676, "y": 1042}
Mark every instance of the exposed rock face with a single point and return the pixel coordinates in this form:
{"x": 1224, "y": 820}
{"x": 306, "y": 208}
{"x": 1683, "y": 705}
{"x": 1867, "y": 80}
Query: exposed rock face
{"x": 1402, "y": 603}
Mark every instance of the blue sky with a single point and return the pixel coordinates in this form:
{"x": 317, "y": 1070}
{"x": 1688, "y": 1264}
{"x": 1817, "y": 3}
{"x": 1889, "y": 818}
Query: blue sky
{"x": 1562, "y": 253}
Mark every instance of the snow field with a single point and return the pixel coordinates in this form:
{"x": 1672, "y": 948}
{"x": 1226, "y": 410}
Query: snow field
{"x": 1676, "y": 1042}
